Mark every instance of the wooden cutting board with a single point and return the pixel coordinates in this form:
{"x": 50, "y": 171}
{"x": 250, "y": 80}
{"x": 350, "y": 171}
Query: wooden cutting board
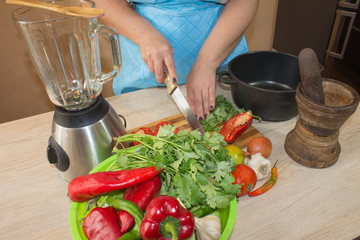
{"x": 180, "y": 122}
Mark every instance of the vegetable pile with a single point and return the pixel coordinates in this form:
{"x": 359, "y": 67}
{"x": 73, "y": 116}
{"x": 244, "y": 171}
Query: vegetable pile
{"x": 157, "y": 187}
{"x": 171, "y": 183}
{"x": 255, "y": 167}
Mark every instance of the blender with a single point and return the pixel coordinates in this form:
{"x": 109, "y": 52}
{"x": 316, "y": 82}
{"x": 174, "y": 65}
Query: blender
{"x": 65, "y": 51}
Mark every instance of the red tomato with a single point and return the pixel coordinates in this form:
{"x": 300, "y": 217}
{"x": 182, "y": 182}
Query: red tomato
{"x": 246, "y": 176}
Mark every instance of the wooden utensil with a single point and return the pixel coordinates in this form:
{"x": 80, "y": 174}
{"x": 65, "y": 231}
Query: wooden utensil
{"x": 77, "y": 11}
{"x": 310, "y": 75}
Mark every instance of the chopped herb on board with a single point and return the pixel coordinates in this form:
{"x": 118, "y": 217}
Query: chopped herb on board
{"x": 223, "y": 111}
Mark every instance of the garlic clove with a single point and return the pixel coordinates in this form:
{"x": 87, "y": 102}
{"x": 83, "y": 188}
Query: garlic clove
{"x": 208, "y": 227}
{"x": 260, "y": 165}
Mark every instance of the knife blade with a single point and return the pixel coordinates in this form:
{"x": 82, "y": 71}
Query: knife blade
{"x": 174, "y": 91}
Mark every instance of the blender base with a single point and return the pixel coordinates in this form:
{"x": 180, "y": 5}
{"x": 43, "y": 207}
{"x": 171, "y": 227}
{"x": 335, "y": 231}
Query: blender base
{"x": 81, "y": 140}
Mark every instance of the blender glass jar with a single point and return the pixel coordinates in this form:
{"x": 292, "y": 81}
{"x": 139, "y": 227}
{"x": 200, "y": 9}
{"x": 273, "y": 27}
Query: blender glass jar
{"x": 65, "y": 51}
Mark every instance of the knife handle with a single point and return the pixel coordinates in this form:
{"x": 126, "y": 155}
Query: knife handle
{"x": 170, "y": 84}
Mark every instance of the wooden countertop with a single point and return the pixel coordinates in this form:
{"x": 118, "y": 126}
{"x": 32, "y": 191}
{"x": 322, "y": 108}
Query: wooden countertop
{"x": 304, "y": 204}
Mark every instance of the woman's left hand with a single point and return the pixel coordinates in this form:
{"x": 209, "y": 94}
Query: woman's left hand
{"x": 200, "y": 87}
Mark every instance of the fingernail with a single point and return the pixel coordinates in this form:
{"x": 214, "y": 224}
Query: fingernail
{"x": 211, "y": 107}
{"x": 174, "y": 80}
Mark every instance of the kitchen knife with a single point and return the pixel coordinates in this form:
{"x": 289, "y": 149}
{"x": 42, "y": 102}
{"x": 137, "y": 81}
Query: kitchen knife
{"x": 174, "y": 91}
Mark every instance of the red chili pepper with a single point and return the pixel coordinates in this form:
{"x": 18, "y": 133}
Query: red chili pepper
{"x": 143, "y": 130}
{"x": 163, "y": 123}
{"x": 268, "y": 185}
{"x": 85, "y": 187}
{"x": 236, "y": 125}
{"x": 102, "y": 223}
{"x": 165, "y": 218}
{"x": 141, "y": 195}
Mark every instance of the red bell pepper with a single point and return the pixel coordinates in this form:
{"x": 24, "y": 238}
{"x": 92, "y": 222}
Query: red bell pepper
{"x": 143, "y": 130}
{"x": 141, "y": 195}
{"x": 102, "y": 223}
{"x": 236, "y": 125}
{"x": 163, "y": 123}
{"x": 165, "y": 218}
{"x": 88, "y": 186}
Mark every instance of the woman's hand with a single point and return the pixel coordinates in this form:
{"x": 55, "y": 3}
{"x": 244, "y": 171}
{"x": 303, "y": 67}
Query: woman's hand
{"x": 200, "y": 88}
{"x": 155, "y": 51}
{"x": 225, "y": 35}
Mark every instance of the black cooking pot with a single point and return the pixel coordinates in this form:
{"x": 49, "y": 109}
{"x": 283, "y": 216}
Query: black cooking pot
{"x": 264, "y": 82}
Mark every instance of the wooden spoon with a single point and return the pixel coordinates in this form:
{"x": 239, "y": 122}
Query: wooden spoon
{"x": 77, "y": 11}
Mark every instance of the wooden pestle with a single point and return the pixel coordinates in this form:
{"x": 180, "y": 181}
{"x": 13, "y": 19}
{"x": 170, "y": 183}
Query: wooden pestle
{"x": 310, "y": 75}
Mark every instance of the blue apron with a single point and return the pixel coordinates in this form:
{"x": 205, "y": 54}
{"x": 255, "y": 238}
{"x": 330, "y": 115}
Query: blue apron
{"x": 186, "y": 24}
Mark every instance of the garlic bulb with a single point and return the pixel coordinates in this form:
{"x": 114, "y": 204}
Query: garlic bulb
{"x": 208, "y": 227}
{"x": 260, "y": 165}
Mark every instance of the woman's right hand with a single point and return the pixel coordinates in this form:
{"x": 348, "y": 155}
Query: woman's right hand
{"x": 156, "y": 50}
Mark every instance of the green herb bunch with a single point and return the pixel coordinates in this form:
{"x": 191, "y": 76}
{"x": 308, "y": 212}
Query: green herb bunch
{"x": 196, "y": 168}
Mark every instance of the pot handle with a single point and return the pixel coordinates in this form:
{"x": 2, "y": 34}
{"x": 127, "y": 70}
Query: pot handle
{"x": 224, "y": 77}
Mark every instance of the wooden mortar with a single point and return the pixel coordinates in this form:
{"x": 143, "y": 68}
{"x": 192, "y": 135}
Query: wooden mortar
{"x": 314, "y": 140}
